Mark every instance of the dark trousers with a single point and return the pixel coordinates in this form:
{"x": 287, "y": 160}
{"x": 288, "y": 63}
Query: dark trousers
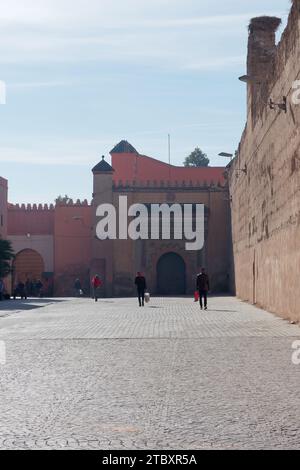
{"x": 96, "y": 293}
{"x": 203, "y": 295}
{"x": 141, "y": 296}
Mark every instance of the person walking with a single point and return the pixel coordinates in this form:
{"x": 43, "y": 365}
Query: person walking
{"x": 28, "y": 287}
{"x": 2, "y": 289}
{"x": 20, "y": 291}
{"x": 202, "y": 286}
{"x": 96, "y": 283}
{"x": 39, "y": 288}
{"x": 140, "y": 282}
{"x": 78, "y": 288}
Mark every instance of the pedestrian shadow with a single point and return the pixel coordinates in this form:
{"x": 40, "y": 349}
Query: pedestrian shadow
{"x": 29, "y": 304}
{"x": 222, "y": 311}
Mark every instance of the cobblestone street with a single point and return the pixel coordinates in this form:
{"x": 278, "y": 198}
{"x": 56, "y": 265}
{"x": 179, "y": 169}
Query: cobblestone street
{"x": 81, "y": 375}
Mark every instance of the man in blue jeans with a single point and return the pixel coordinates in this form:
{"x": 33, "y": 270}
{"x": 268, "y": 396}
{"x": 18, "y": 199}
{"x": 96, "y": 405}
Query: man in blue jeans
{"x": 203, "y": 288}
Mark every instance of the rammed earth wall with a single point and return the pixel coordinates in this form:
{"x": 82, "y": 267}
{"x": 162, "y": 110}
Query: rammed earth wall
{"x": 265, "y": 204}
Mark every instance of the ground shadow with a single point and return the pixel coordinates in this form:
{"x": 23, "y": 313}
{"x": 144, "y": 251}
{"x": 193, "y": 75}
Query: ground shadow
{"x": 29, "y": 304}
{"x": 222, "y": 311}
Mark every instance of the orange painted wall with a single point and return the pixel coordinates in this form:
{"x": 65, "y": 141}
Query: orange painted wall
{"x": 70, "y": 226}
{"x": 31, "y": 220}
{"x": 72, "y": 246}
{"x": 135, "y": 167}
{"x": 3, "y": 207}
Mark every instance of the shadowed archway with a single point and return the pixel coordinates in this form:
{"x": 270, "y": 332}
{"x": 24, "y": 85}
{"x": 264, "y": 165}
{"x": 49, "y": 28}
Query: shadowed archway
{"x": 28, "y": 264}
{"x": 171, "y": 275}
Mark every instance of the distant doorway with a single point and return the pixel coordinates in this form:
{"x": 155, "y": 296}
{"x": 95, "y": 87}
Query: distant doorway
{"x": 171, "y": 275}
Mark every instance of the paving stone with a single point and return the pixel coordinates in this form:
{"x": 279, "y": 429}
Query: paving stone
{"x": 111, "y": 375}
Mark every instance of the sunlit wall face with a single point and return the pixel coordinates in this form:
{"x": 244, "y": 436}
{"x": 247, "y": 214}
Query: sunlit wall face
{"x": 3, "y": 208}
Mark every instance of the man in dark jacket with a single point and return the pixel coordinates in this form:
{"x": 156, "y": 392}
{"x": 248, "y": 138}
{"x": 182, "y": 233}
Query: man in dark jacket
{"x": 140, "y": 283}
{"x": 203, "y": 287}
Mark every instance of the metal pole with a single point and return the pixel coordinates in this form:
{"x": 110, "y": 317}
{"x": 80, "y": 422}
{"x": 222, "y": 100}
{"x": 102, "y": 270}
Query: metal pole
{"x": 169, "y": 149}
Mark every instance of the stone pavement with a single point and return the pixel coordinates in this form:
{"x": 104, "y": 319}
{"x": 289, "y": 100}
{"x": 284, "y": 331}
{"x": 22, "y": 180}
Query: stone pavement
{"x": 81, "y": 375}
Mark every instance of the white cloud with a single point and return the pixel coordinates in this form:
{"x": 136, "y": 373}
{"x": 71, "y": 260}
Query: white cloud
{"x": 31, "y": 85}
{"x": 118, "y": 13}
{"x": 115, "y": 31}
{"x": 168, "y": 48}
{"x": 63, "y": 152}
{"x": 209, "y": 21}
{"x": 216, "y": 63}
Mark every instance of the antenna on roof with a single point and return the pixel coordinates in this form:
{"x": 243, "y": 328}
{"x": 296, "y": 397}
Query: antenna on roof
{"x": 169, "y": 150}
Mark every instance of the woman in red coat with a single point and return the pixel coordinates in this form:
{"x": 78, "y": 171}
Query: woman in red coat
{"x": 96, "y": 283}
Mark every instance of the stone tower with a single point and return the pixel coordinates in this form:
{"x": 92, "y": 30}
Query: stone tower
{"x": 102, "y": 250}
{"x": 260, "y": 61}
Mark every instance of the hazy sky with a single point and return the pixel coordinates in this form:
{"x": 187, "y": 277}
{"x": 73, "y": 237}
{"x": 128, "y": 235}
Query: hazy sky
{"x": 83, "y": 74}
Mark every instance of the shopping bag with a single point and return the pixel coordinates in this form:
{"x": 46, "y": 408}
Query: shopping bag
{"x": 147, "y": 297}
{"x": 196, "y": 296}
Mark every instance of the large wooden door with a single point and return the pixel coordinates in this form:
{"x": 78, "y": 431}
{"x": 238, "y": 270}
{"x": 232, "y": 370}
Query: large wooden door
{"x": 171, "y": 275}
{"x": 28, "y": 264}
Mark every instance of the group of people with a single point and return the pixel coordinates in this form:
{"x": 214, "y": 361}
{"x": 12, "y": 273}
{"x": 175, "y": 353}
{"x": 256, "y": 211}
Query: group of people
{"x": 35, "y": 288}
{"x": 202, "y": 288}
{"x": 28, "y": 289}
{"x": 22, "y": 290}
{"x": 96, "y": 283}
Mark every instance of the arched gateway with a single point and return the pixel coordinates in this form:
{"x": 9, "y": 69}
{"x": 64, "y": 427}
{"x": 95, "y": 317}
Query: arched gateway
{"x": 28, "y": 264}
{"x": 171, "y": 275}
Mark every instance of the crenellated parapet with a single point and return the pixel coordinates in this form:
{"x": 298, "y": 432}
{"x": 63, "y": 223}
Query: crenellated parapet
{"x": 174, "y": 185}
{"x": 47, "y": 207}
{"x": 31, "y": 207}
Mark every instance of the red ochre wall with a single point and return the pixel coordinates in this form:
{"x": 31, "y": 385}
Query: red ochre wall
{"x": 65, "y": 231}
{"x": 3, "y": 207}
{"x": 135, "y": 167}
{"x": 72, "y": 247}
{"x": 33, "y": 220}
